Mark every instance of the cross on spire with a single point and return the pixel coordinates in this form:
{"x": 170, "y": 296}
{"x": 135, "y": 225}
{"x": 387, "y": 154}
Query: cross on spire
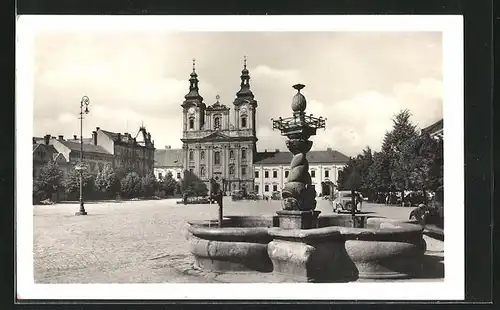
{"x": 245, "y": 62}
{"x": 194, "y": 63}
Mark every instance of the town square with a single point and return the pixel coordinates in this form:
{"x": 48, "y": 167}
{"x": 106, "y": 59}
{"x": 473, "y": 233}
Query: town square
{"x": 165, "y": 165}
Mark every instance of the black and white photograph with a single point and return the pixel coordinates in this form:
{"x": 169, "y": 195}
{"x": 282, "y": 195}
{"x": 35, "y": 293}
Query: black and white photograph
{"x": 289, "y": 157}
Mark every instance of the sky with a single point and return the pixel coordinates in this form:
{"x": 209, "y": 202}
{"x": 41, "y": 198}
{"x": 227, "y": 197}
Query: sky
{"x": 357, "y": 80}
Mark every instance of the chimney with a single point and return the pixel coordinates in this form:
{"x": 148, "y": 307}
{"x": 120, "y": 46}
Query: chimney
{"x": 97, "y": 128}
{"x": 119, "y": 136}
{"x": 277, "y": 150}
{"x": 75, "y": 137}
{"x": 265, "y": 151}
{"x": 167, "y": 147}
{"x": 34, "y": 140}
{"x": 47, "y": 139}
{"x": 61, "y": 138}
{"x": 329, "y": 149}
{"x": 94, "y": 137}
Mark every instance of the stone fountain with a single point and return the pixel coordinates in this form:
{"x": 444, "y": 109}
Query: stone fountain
{"x": 300, "y": 244}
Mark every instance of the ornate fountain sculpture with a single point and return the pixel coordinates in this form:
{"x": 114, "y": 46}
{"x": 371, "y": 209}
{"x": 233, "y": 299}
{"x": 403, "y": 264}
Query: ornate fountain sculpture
{"x": 299, "y": 195}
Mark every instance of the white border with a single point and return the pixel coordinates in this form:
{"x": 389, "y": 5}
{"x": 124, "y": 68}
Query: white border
{"x": 452, "y": 288}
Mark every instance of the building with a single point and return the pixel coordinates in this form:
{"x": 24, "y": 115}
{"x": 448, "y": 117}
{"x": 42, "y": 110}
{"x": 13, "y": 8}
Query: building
{"x": 435, "y": 130}
{"x": 121, "y": 151}
{"x": 222, "y": 145}
{"x": 216, "y": 145}
{"x": 43, "y": 153}
{"x": 128, "y": 152}
{"x": 67, "y": 154}
{"x": 271, "y": 170}
{"x": 167, "y": 161}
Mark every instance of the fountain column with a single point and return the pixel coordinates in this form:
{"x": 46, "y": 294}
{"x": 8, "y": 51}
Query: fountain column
{"x": 299, "y": 249}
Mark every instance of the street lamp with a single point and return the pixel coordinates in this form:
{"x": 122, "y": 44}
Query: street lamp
{"x": 84, "y": 102}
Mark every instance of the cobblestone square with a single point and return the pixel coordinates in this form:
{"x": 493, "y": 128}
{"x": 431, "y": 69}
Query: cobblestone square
{"x": 141, "y": 241}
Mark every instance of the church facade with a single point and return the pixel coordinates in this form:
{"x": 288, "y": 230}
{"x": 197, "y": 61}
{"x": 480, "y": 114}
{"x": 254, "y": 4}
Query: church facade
{"x": 216, "y": 145}
{"x": 222, "y": 145}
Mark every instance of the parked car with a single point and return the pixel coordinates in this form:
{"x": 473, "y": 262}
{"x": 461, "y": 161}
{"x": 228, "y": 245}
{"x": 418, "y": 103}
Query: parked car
{"x": 252, "y": 196}
{"x": 343, "y": 202}
{"x": 276, "y": 195}
{"x": 414, "y": 199}
{"x": 237, "y": 195}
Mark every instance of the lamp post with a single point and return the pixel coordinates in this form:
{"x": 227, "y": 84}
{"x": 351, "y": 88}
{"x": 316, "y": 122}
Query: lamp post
{"x": 84, "y": 102}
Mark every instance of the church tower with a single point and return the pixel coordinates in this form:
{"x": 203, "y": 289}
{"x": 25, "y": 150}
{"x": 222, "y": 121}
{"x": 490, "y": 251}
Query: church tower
{"x": 193, "y": 106}
{"x": 193, "y": 115}
{"x": 245, "y": 108}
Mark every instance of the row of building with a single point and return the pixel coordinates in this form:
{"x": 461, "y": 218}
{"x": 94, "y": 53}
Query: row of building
{"x": 214, "y": 146}
{"x": 105, "y": 147}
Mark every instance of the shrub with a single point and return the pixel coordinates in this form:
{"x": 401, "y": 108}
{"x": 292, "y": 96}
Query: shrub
{"x": 130, "y": 185}
{"x": 149, "y": 185}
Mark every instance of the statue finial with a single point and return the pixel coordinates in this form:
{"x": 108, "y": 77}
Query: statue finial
{"x": 194, "y": 63}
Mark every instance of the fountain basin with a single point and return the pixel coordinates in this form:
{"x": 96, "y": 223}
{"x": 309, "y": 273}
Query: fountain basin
{"x": 334, "y": 251}
{"x": 241, "y": 245}
{"x": 384, "y": 248}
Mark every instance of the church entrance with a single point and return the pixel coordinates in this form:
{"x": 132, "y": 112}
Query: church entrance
{"x": 326, "y": 188}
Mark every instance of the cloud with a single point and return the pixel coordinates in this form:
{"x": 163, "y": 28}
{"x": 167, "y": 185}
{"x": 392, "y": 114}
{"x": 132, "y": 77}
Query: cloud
{"x": 358, "y": 81}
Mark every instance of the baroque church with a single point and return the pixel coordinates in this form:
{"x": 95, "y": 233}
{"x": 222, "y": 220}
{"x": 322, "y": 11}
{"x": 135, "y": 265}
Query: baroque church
{"x": 216, "y": 145}
{"x": 222, "y": 145}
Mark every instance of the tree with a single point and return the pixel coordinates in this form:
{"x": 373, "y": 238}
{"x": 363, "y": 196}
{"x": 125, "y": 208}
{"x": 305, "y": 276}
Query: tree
{"x": 192, "y": 185}
{"x": 48, "y": 182}
{"x": 149, "y": 185}
{"x": 378, "y": 177}
{"x": 397, "y": 151}
{"x": 168, "y": 185}
{"x": 427, "y": 173}
{"x": 131, "y": 185}
{"x": 107, "y": 182}
{"x": 72, "y": 183}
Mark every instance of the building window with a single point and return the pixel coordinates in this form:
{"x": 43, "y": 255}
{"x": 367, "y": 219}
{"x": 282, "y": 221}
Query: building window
{"x": 266, "y": 174}
{"x": 256, "y": 174}
{"x": 266, "y": 188}
{"x": 275, "y": 188}
{"x": 217, "y": 158}
{"x": 327, "y": 173}
{"x": 202, "y": 171}
{"x": 256, "y": 188}
{"x": 231, "y": 170}
{"x": 286, "y": 173}
{"x": 275, "y": 174}
{"x": 243, "y": 154}
{"x": 191, "y": 156}
{"x": 217, "y": 123}
{"x": 178, "y": 175}
{"x": 160, "y": 176}
{"x": 313, "y": 173}
{"x": 243, "y": 171}
{"x": 243, "y": 122}
{"x": 231, "y": 154}
{"x": 202, "y": 155}
{"x": 191, "y": 123}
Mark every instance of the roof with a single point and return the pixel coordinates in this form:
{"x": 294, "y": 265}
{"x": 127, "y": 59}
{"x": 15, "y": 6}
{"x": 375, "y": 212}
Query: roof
{"x": 48, "y": 148}
{"x": 434, "y": 127}
{"x": 168, "y": 158}
{"x": 314, "y": 157}
{"x": 112, "y": 135}
{"x": 87, "y": 148}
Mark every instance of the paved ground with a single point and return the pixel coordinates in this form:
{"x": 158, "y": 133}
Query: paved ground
{"x": 140, "y": 241}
